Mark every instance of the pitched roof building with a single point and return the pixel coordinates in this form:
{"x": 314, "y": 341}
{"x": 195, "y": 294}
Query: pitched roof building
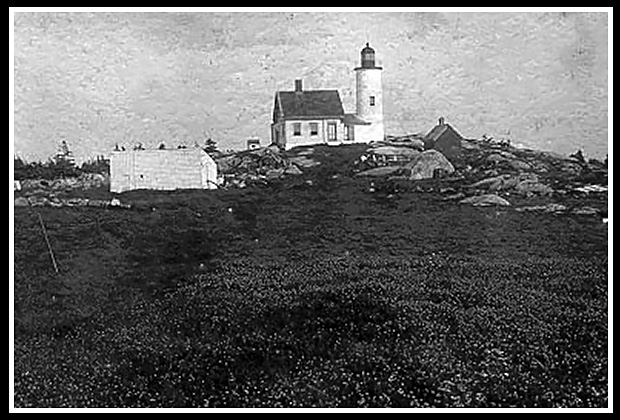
{"x": 162, "y": 169}
{"x": 445, "y": 139}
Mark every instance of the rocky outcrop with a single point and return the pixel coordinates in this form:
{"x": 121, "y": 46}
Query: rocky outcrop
{"x": 53, "y": 201}
{"x": 21, "y": 202}
{"x": 413, "y": 141}
{"x": 585, "y": 211}
{"x": 519, "y": 165}
{"x": 524, "y": 184}
{"x": 380, "y": 171}
{"x": 417, "y": 144}
{"x": 274, "y": 173}
{"x": 545, "y": 208}
{"x": 592, "y": 189}
{"x": 258, "y": 160}
{"x": 242, "y": 169}
{"x": 531, "y": 187}
{"x": 303, "y": 161}
{"x": 293, "y": 169}
{"x": 496, "y": 158}
{"x": 387, "y": 151}
{"x": 428, "y": 164}
{"x": 496, "y": 183}
{"x": 384, "y": 153}
{"x": 508, "y": 160}
{"x": 485, "y": 200}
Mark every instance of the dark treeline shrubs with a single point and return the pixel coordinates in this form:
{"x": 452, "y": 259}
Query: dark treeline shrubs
{"x": 54, "y": 169}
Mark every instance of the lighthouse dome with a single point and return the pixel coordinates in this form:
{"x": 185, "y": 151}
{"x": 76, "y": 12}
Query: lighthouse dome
{"x": 368, "y": 56}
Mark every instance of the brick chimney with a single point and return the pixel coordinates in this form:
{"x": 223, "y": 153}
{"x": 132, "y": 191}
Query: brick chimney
{"x": 441, "y": 121}
{"x": 298, "y": 85}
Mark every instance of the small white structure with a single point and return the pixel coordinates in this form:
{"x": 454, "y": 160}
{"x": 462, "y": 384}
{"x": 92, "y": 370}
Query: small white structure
{"x": 162, "y": 169}
{"x": 253, "y": 144}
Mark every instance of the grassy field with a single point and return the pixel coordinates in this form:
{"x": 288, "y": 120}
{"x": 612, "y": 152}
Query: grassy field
{"x": 316, "y": 293}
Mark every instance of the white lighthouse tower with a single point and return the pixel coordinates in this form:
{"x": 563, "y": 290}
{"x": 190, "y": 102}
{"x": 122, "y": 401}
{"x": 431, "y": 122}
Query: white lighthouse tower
{"x": 369, "y": 98}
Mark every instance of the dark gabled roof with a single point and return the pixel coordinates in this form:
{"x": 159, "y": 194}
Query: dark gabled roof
{"x": 438, "y": 131}
{"x": 310, "y": 103}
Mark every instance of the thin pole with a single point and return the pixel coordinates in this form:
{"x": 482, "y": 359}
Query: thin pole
{"x": 47, "y": 241}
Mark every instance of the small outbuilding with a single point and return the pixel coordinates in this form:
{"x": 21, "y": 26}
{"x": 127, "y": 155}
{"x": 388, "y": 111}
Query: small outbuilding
{"x": 253, "y": 143}
{"x": 445, "y": 139}
{"x": 162, "y": 169}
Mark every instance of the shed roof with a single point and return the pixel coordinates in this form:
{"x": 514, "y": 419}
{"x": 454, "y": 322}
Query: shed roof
{"x": 352, "y": 119}
{"x": 310, "y": 103}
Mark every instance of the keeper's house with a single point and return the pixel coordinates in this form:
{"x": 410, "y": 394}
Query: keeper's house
{"x": 303, "y": 117}
{"x": 162, "y": 169}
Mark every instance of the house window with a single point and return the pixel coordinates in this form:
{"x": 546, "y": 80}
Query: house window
{"x": 297, "y": 129}
{"x": 372, "y": 101}
{"x": 331, "y": 131}
{"x": 349, "y": 133}
{"x": 314, "y": 129}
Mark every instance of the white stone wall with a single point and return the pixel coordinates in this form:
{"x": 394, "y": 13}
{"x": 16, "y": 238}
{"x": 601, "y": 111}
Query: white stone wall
{"x": 162, "y": 170}
{"x": 121, "y": 171}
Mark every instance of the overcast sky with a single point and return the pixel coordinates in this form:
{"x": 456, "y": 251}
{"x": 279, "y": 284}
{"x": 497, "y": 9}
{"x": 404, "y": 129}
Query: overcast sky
{"x": 97, "y": 79}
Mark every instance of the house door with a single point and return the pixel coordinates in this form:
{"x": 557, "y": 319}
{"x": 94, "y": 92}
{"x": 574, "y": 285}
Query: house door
{"x": 349, "y": 133}
{"x": 276, "y": 135}
{"x": 331, "y": 132}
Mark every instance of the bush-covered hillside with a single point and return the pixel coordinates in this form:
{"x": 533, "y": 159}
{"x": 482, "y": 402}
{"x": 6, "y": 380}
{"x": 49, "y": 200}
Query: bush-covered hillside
{"x": 320, "y": 289}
